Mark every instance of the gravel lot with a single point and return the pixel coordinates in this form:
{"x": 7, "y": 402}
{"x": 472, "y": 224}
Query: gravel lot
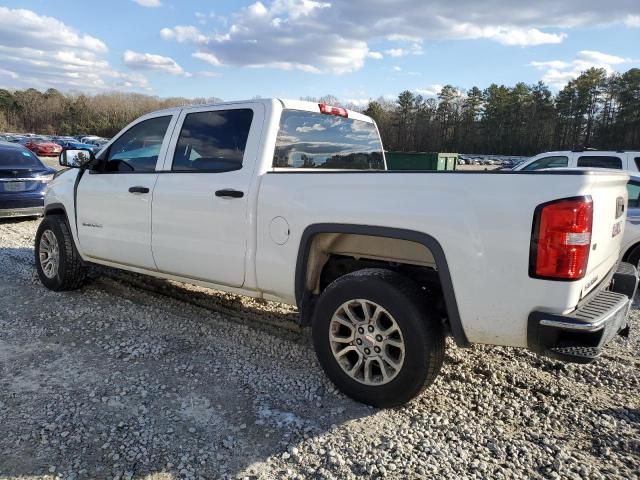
{"x": 132, "y": 377}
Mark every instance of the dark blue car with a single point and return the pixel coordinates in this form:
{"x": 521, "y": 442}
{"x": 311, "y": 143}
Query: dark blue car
{"x": 76, "y": 145}
{"x": 23, "y": 181}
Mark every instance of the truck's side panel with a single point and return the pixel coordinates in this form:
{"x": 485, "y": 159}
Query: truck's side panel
{"x": 483, "y": 235}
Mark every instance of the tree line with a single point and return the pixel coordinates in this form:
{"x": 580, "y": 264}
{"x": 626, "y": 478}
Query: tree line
{"x": 597, "y": 110}
{"x": 54, "y": 113}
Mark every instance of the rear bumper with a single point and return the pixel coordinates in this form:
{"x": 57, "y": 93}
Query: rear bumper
{"x": 21, "y": 212}
{"x": 581, "y": 335}
{"x": 24, "y": 204}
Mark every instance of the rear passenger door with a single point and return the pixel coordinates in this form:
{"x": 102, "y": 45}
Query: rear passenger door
{"x": 201, "y": 220}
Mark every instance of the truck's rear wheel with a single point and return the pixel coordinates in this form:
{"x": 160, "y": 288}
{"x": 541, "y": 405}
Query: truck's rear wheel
{"x": 376, "y": 339}
{"x": 58, "y": 262}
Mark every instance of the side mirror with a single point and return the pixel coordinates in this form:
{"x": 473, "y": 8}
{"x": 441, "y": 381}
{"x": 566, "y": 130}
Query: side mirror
{"x": 76, "y": 158}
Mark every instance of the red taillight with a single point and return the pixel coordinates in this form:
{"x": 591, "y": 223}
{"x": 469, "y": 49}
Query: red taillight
{"x": 561, "y": 239}
{"x": 329, "y": 110}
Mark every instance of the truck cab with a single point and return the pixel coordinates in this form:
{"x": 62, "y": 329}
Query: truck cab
{"x": 618, "y": 160}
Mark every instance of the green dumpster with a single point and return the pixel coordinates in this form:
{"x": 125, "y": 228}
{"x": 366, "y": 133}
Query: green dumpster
{"x": 421, "y": 160}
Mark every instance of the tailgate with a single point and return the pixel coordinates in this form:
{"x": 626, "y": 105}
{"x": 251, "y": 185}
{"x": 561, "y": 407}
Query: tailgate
{"x": 609, "y": 194}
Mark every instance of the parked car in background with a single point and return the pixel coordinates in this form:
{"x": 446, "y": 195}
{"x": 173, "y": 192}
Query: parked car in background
{"x": 618, "y": 160}
{"x": 76, "y": 145}
{"x": 23, "y": 181}
{"x": 60, "y": 139}
{"x": 631, "y": 239}
{"x": 43, "y": 147}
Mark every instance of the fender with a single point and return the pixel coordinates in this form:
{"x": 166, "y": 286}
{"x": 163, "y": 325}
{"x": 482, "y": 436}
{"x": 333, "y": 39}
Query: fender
{"x": 54, "y": 208}
{"x": 303, "y": 296}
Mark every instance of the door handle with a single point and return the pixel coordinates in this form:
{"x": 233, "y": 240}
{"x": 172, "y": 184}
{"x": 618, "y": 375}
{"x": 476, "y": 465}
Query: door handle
{"x": 229, "y": 193}
{"x": 138, "y": 189}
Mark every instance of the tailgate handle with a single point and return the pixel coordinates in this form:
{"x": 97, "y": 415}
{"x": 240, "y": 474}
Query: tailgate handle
{"x": 229, "y": 193}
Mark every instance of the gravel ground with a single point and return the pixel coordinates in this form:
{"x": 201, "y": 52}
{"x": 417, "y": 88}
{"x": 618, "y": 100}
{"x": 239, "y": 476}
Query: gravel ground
{"x": 132, "y": 377}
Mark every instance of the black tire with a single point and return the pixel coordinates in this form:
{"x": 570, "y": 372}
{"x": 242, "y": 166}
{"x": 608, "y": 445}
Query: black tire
{"x": 71, "y": 271}
{"x": 633, "y": 257}
{"x": 423, "y": 334}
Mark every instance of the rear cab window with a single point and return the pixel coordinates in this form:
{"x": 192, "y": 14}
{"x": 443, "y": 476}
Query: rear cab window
{"x": 313, "y": 140}
{"x": 600, "y": 161}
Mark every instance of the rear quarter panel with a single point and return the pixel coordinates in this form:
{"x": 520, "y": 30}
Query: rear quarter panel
{"x": 483, "y": 223}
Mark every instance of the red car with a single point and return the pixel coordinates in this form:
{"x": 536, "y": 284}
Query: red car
{"x": 42, "y": 147}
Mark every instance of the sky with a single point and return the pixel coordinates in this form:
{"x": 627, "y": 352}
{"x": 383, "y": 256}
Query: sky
{"x": 355, "y": 50}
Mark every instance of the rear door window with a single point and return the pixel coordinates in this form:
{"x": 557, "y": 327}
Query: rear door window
{"x": 600, "y": 161}
{"x": 318, "y": 141}
{"x": 212, "y": 141}
{"x": 637, "y": 160}
{"x": 555, "y": 161}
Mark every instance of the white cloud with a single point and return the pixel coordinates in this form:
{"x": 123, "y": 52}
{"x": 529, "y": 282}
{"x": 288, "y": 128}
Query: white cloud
{"x": 632, "y": 21}
{"x": 148, "y": 3}
{"x": 9, "y": 73}
{"x": 507, "y": 35}
{"x": 397, "y": 68}
{"x": 286, "y": 35}
{"x": 335, "y": 36}
{"x": 210, "y": 58}
{"x": 558, "y": 72}
{"x": 204, "y": 18}
{"x": 551, "y": 64}
{"x": 599, "y": 58}
{"x": 42, "y": 52}
{"x": 413, "y": 49}
{"x": 24, "y": 28}
{"x": 183, "y": 33}
{"x": 149, "y": 61}
{"x": 295, "y": 9}
{"x": 430, "y": 90}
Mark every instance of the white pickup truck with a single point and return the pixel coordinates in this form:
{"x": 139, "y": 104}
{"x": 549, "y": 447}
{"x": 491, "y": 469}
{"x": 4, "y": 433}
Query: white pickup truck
{"x": 291, "y": 201}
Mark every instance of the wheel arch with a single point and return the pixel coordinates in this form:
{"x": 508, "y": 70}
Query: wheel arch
{"x": 633, "y": 248}
{"x": 305, "y": 299}
{"x": 55, "y": 209}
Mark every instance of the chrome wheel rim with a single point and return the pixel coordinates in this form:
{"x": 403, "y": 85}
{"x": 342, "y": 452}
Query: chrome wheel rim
{"x": 49, "y": 254}
{"x": 367, "y": 342}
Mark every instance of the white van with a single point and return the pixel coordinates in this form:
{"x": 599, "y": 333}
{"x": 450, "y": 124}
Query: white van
{"x": 620, "y": 160}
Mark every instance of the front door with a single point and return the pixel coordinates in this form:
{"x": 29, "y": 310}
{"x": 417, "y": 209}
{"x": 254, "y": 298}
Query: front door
{"x": 201, "y": 224}
{"x": 114, "y": 199}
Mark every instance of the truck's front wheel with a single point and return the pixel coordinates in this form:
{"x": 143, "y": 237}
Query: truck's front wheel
{"x": 58, "y": 262}
{"x": 376, "y": 339}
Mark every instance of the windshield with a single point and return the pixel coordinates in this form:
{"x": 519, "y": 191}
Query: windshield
{"x": 316, "y": 140}
{"x": 17, "y": 159}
